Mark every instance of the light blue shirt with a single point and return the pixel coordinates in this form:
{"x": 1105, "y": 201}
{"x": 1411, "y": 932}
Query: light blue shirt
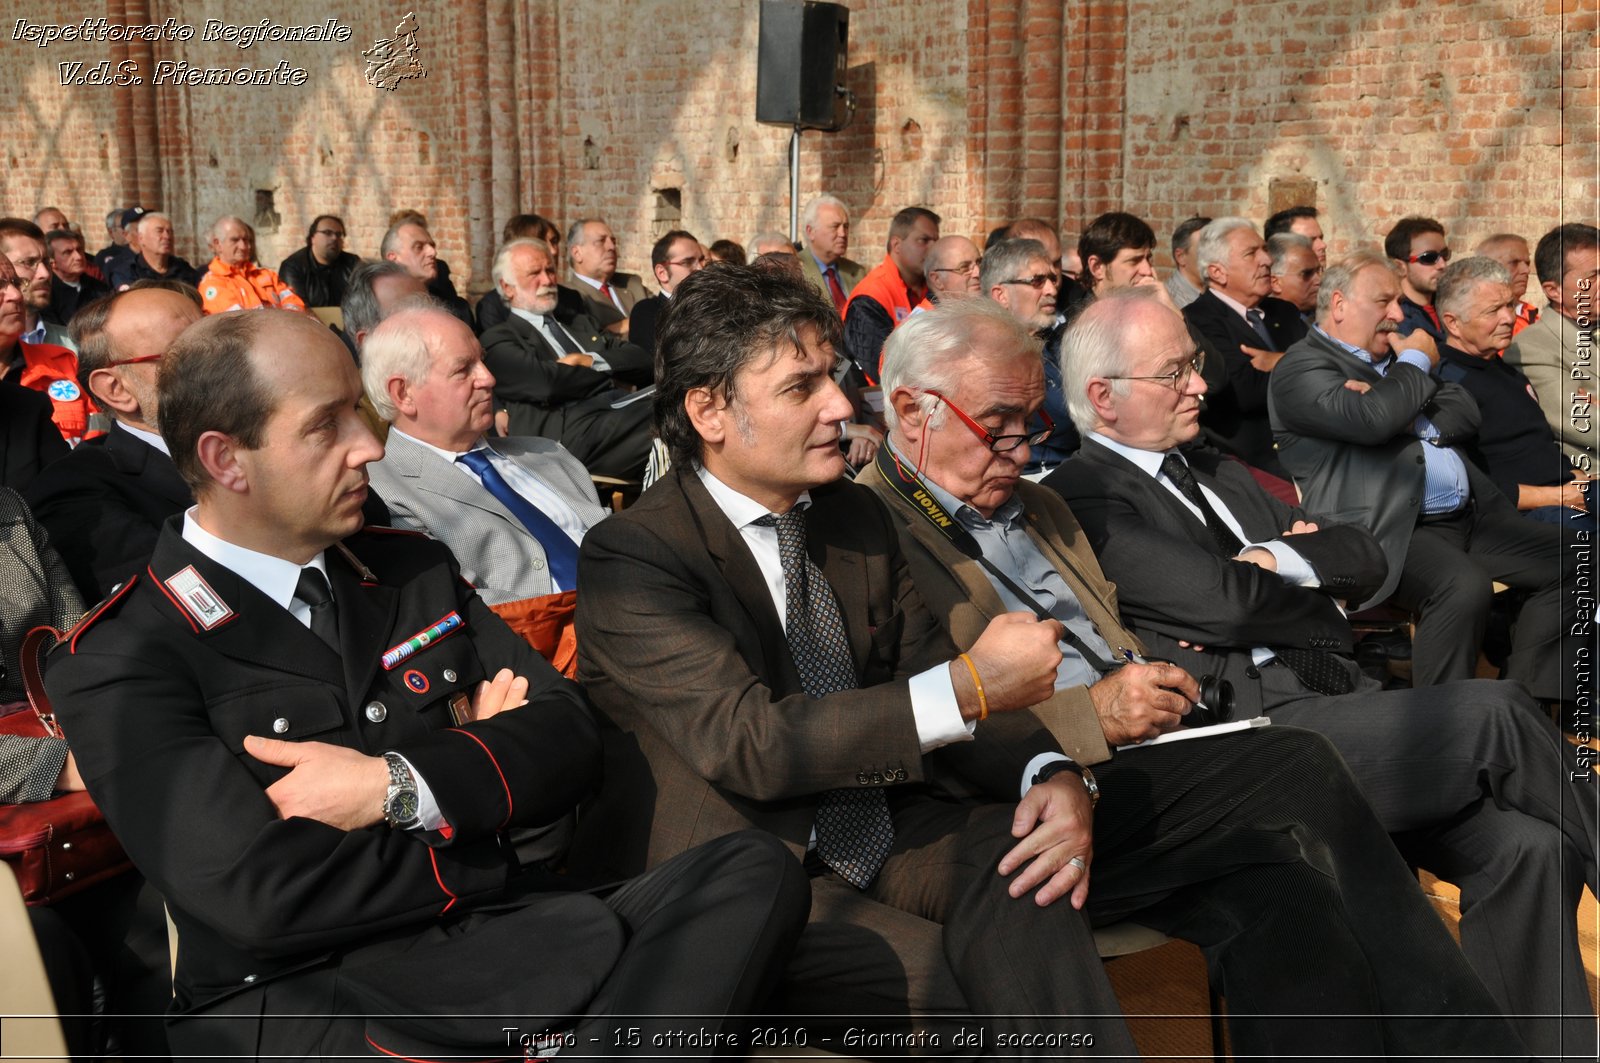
{"x": 1445, "y": 488}
{"x": 1005, "y": 544}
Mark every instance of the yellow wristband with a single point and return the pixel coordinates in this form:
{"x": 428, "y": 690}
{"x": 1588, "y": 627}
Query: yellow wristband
{"x": 983, "y": 702}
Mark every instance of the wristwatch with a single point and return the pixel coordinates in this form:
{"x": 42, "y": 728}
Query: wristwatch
{"x": 1056, "y": 767}
{"x": 400, "y": 803}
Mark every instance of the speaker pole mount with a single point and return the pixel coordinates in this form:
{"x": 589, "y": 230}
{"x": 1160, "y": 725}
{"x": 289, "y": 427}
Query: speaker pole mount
{"x": 794, "y": 185}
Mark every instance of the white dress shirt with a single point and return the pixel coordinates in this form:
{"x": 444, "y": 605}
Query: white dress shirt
{"x": 1292, "y": 567}
{"x": 933, "y": 696}
{"x": 557, "y": 334}
{"x": 525, "y": 483}
{"x": 277, "y": 579}
{"x": 153, "y": 438}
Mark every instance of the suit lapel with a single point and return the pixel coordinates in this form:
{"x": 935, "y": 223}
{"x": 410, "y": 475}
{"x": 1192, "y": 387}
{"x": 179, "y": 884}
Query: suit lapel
{"x": 739, "y": 568}
{"x": 256, "y": 629}
{"x": 843, "y": 567}
{"x": 413, "y": 463}
{"x": 1192, "y": 525}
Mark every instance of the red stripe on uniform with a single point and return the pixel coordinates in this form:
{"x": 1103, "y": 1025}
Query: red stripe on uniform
{"x": 433, "y": 855}
{"x": 497, "y": 771}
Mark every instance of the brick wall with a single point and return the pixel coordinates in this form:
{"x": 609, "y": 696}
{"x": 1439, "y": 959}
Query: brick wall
{"x": 1482, "y": 112}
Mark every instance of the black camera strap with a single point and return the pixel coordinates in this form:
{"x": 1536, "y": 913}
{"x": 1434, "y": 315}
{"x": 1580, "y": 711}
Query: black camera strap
{"x": 916, "y": 494}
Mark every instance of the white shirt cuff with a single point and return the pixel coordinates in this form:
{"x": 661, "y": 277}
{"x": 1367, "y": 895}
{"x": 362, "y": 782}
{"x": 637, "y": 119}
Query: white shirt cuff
{"x": 1415, "y": 358}
{"x": 428, "y": 815}
{"x": 1292, "y": 568}
{"x": 934, "y": 707}
{"x": 1036, "y": 765}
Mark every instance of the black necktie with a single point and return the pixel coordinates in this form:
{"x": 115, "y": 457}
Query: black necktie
{"x": 1174, "y": 468}
{"x": 1318, "y": 670}
{"x": 568, "y": 344}
{"x": 312, "y": 588}
{"x": 854, "y": 829}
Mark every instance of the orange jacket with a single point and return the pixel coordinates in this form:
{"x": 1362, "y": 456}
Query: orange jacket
{"x": 247, "y": 287}
{"x": 54, "y": 371}
{"x": 883, "y": 285}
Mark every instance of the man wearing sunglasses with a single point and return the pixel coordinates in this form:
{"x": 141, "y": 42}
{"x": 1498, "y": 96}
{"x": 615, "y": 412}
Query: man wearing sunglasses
{"x": 1296, "y": 278}
{"x": 1185, "y": 832}
{"x": 1418, "y": 248}
{"x": 1220, "y": 577}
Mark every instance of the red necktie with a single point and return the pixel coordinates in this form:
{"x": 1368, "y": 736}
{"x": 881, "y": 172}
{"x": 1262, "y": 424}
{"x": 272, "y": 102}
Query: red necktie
{"x": 834, "y": 287}
{"x": 605, "y": 290}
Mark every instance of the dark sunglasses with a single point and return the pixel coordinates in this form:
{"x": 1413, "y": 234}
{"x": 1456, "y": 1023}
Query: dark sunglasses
{"x": 1431, "y": 258}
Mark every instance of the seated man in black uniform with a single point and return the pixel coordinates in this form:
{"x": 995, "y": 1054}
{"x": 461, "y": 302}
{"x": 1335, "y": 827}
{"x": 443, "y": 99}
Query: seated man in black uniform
{"x": 287, "y": 723}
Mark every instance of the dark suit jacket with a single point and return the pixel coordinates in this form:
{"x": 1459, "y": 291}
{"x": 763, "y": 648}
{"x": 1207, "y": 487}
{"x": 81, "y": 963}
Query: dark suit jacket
{"x": 29, "y": 439}
{"x": 65, "y": 299}
{"x": 104, "y": 505}
{"x": 1355, "y": 457}
{"x": 1174, "y": 582}
{"x": 680, "y": 646}
{"x": 1236, "y": 412}
{"x": 629, "y": 288}
{"x": 158, "y": 706}
{"x": 532, "y": 384}
{"x": 1284, "y": 321}
{"x": 642, "y": 321}
{"x": 958, "y": 592}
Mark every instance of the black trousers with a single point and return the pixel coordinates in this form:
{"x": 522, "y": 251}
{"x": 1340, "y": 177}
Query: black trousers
{"x": 707, "y": 935}
{"x": 1258, "y": 847}
{"x": 1477, "y": 786}
{"x": 1449, "y": 570}
{"x": 610, "y": 442}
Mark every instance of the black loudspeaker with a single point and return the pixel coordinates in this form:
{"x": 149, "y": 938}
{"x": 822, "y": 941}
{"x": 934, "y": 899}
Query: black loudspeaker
{"x": 803, "y": 58}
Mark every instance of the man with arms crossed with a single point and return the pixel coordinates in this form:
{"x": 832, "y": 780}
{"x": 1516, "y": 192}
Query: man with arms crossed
{"x": 750, "y": 628}
{"x": 311, "y": 741}
{"x": 1468, "y": 776}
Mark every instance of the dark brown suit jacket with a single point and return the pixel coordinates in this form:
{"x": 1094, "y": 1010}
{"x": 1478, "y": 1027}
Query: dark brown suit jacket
{"x": 681, "y": 648}
{"x": 959, "y": 593}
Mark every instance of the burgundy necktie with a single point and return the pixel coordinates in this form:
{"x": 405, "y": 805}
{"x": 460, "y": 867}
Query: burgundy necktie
{"x": 834, "y": 287}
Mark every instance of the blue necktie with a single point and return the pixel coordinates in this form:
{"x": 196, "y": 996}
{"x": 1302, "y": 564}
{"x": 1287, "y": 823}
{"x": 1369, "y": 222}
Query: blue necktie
{"x": 559, "y": 550}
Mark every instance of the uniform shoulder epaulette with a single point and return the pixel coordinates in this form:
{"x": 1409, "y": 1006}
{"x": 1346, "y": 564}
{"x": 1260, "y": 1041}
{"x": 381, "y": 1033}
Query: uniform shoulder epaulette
{"x": 105, "y": 608}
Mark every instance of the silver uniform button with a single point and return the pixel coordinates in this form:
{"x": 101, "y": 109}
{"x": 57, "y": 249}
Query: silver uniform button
{"x": 376, "y": 711}
{"x": 449, "y": 675}
{"x": 249, "y": 978}
{"x": 280, "y": 726}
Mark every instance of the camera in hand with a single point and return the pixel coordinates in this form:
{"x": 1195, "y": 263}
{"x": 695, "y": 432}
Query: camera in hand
{"x": 1215, "y": 705}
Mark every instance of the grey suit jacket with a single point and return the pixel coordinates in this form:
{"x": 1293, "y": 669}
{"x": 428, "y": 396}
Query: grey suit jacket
{"x": 497, "y": 554}
{"x": 629, "y": 288}
{"x": 1354, "y": 456}
{"x": 1546, "y": 351}
{"x": 850, "y": 273}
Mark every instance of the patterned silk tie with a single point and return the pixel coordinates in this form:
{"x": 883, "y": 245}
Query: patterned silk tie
{"x": 1318, "y": 670}
{"x": 312, "y": 588}
{"x": 854, "y": 830}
